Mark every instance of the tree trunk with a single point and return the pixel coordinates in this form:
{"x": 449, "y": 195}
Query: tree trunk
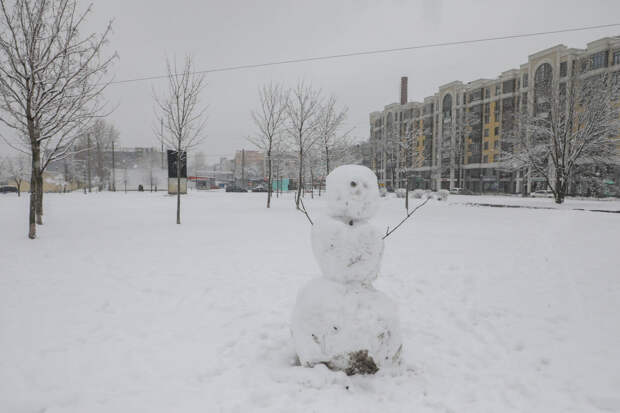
{"x": 90, "y": 187}
{"x": 113, "y": 170}
{"x": 179, "y": 185}
{"x": 39, "y": 198}
{"x": 299, "y": 183}
{"x": 407, "y": 195}
{"x": 326, "y": 160}
{"x": 312, "y": 181}
{"x": 269, "y": 180}
{"x": 560, "y": 190}
{"x": 34, "y": 179}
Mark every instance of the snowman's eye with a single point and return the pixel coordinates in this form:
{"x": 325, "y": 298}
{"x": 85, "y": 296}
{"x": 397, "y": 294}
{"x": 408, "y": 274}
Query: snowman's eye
{"x": 353, "y": 184}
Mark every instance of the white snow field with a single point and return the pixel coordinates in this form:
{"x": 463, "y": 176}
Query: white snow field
{"x": 117, "y": 309}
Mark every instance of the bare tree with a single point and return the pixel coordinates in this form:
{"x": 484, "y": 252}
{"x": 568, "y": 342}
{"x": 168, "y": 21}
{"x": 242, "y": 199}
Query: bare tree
{"x": 270, "y": 119}
{"x": 180, "y": 112}
{"x": 314, "y": 163}
{"x": 571, "y": 123}
{"x": 303, "y": 114}
{"x": 102, "y": 134}
{"x": 451, "y": 150}
{"x": 51, "y": 81}
{"x": 281, "y": 155}
{"x": 329, "y": 123}
{"x": 18, "y": 170}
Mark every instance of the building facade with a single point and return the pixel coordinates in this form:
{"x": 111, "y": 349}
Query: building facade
{"x": 453, "y": 139}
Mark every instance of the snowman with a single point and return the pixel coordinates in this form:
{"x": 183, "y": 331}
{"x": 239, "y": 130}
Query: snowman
{"x": 340, "y": 319}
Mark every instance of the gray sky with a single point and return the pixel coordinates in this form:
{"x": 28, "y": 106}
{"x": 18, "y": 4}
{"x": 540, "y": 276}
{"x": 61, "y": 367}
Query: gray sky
{"x": 227, "y": 33}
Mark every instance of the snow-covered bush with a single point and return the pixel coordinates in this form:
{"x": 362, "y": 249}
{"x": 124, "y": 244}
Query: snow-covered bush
{"x": 442, "y": 195}
{"x": 401, "y": 193}
{"x": 418, "y": 193}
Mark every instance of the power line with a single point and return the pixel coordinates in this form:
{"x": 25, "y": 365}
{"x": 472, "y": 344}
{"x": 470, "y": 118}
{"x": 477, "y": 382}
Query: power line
{"x": 371, "y": 52}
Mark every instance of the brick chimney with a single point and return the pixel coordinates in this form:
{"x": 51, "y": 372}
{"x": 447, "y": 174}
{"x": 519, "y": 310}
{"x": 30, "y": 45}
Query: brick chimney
{"x": 403, "y": 90}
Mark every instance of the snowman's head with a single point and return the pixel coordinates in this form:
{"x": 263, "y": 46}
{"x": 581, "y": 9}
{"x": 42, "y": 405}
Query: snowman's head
{"x": 352, "y": 193}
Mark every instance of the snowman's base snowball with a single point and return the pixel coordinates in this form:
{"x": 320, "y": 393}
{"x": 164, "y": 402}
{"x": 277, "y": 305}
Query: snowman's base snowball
{"x": 349, "y": 327}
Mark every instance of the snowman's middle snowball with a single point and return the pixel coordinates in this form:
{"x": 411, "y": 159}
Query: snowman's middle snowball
{"x": 347, "y": 252}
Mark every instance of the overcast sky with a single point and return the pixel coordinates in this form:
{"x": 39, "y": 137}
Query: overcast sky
{"x": 227, "y": 33}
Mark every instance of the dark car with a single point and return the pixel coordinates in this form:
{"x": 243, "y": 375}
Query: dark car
{"x": 259, "y": 188}
{"x": 7, "y": 189}
{"x": 234, "y": 188}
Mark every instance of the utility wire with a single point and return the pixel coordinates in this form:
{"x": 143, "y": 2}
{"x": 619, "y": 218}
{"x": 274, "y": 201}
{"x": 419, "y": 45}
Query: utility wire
{"x": 371, "y": 52}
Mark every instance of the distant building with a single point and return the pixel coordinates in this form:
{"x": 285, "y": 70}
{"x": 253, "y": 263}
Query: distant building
{"x": 249, "y": 164}
{"x": 443, "y": 121}
{"x": 122, "y": 168}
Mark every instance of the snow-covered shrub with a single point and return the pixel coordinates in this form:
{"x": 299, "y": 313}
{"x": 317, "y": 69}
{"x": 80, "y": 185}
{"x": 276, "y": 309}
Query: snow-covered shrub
{"x": 401, "y": 193}
{"x": 442, "y": 195}
{"x": 418, "y": 193}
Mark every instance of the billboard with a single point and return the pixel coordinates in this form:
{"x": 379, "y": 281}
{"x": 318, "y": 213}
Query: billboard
{"x": 172, "y": 164}
{"x": 172, "y": 172}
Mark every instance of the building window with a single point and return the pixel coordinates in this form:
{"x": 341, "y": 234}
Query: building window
{"x": 458, "y": 99}
{"x": 497, "y": 90}
{"x": 563, "y": 69}
{"x": 562, "y": 89}
{"x": 487, "y": 92}
{"x": 525, "y": 80}
{"x": 485, "y": 159}
{"x": 496, "y": 131}
{"x": 495, "y": 144}
{"x": 486, "y": 133}
{"x": 598, "y": 60}
{"x": 475, "y": 95}
{"x": 486, "y": 146}
{"x": 508, "y": 86}
{"x": 617, "y": 57}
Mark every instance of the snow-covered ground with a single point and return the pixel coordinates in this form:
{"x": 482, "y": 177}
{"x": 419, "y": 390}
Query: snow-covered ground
{"x": 117, "y": 309}
{"x": 604, "y": 204}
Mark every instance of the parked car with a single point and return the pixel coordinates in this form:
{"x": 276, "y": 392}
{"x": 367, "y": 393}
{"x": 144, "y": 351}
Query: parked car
{"x": 259, "y": 188}
{"x": 7, "y": 189}
{"x": 456, "y": 191}
{"x": 234, "y": 188}
{"x": 542, "y": 193}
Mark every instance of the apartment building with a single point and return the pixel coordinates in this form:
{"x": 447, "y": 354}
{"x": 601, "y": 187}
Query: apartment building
{"x": 453, "y": 139}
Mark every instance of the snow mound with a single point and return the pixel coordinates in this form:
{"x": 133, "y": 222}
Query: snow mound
{"x": 418, "y": 193}
{"x": 352, "y": 193}
{"x": 347, "y": 252}
{"x": 441, "y": 195}
{"x": 353, "y": 328}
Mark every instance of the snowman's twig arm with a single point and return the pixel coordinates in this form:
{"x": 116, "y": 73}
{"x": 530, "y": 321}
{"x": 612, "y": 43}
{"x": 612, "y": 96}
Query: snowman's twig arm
{"x": 303, "y": 209}
{"x": 388, "y": 231}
